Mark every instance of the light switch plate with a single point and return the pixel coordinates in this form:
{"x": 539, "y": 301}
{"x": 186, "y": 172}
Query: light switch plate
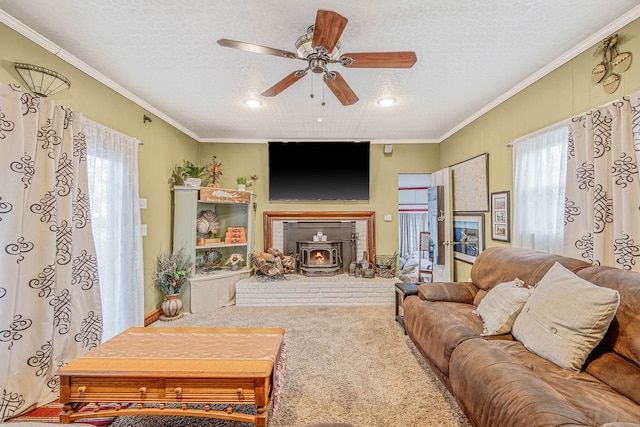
{"x": 143, "y": 229}
{"x": 143, "y": 203}
{"x": 388, "y": 218}
{"x": 388, "y": 149}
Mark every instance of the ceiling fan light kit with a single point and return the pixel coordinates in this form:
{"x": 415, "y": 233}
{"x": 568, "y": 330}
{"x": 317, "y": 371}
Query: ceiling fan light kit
{"x": 321, "y": 46}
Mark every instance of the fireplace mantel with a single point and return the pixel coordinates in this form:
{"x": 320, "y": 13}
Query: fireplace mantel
{"x": 270, "y": 216}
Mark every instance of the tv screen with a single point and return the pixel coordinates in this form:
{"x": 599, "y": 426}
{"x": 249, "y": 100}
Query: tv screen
{"x": 318, "y": 170}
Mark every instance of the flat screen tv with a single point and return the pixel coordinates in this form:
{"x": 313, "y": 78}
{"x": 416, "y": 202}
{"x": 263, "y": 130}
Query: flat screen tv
{"x": 318, "y": 171}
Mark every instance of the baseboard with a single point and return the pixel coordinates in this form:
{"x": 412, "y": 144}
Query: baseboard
{"x": 152, "y": 317}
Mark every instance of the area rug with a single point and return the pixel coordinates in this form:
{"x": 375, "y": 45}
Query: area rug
{"x": 344, "y": 365}
{"x": 50, "y": 413}
{"x": 350, "y": 365}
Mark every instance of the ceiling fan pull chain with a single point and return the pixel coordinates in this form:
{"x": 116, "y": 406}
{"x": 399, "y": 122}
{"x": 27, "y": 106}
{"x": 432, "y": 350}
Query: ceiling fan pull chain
{"x": 311, "y": 96}
{"x": 323, "y": 103}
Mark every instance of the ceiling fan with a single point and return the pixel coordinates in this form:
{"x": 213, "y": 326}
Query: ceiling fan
{"x": 321, "y": 46}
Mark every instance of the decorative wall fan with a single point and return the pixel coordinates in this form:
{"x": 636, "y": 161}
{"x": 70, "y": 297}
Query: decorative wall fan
{"x": 321, "y": 46}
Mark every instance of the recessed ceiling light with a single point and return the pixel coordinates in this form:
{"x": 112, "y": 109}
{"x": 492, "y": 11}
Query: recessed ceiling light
{"x": 252, "y": 103}
{"x": 320, "y": 119}
{"x": 385, "y": 102}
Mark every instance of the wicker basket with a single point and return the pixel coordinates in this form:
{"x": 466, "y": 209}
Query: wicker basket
{"x": 386, "y": 266}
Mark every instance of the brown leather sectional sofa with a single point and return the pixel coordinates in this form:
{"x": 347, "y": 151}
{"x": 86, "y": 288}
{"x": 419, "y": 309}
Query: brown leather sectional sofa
{"x": 496, "y": 380}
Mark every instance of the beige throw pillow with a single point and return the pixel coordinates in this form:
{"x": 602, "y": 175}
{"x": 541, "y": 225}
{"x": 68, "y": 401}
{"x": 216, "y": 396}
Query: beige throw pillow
{"x": 565, "y": 318}
{"x": 500, "y": 307}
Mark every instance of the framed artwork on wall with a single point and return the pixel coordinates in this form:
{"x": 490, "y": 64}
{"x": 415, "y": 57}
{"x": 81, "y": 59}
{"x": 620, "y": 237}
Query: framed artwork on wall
{"x": 500, "y": 221}
{"x": 471, "y": 185}
{"x": 468, "y": 235}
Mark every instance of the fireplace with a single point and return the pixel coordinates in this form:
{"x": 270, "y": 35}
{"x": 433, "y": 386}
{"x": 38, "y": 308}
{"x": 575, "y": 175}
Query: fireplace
{"x": 355, "y": 229}
{"x": 319, "y": 258}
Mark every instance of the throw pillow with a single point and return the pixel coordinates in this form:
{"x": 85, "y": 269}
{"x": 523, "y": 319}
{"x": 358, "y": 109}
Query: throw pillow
{"x": 500, "y": 307}
{"x": 565, "y": 318}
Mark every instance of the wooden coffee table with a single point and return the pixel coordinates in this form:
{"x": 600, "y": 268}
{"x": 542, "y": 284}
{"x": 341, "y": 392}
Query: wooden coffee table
{"x": 192, "y": 367}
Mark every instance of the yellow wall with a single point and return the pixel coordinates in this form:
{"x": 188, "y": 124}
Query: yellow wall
{"x": 164, "y": 146}
{"x": 564, "y": 93}
{"x": 249, "y": 159}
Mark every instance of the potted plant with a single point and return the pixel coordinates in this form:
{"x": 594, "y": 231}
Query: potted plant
{"x": 169, "y": 275}
{"x": 242, "y": 183}
{"x": 191, "y": 173}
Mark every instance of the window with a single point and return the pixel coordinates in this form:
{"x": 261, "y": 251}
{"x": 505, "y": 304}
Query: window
{"x": 112, "y": 163}
{"x": 539, "y": 175}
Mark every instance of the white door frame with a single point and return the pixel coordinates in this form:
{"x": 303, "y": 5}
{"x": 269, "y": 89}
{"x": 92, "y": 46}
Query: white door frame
{"x": 444, "y": 272}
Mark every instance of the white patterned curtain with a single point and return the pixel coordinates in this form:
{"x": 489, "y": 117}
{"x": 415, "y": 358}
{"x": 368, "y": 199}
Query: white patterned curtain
{"x": 602, "y": 208}
{"x": 49, "y": 293}
{"x": 112, "y": 160}
{"x": 539, "y": 175}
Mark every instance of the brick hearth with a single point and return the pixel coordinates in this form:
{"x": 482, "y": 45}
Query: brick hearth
{"x": 341, "y": 289}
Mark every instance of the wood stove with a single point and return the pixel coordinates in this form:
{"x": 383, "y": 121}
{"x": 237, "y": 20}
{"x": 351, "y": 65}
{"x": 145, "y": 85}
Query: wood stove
{"x": 319, "y": 258}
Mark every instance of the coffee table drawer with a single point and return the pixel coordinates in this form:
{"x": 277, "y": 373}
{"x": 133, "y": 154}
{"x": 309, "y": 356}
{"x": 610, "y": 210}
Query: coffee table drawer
{"x": 83, "y": 388}
{"x": 211, "y": 390}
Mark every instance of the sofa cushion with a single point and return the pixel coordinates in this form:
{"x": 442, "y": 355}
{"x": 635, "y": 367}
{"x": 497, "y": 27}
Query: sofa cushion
{"x": 438, "y": 327}
{"x": 614, "y": 370}
{"x": 448, "y": 291}
{"x": 502, "y": 304}
{"x": 623, "y": 332}
{"x": 501, "y": 383}
{"x": 501, "y": 264}
{"x": 565, "y": 317}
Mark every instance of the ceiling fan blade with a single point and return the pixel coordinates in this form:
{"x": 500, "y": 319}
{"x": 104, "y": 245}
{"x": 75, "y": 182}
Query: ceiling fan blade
{"x": 328, "y": 29}
{"x": 379, "y": 59}
{"x": 256, "y": 48}
{"x": 341, "y": 89}
{"x": 284, "y": 83}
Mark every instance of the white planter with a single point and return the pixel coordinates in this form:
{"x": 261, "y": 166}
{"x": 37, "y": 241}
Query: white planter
{"x": 193, "y": 182}
{"x": 242, "y": 187}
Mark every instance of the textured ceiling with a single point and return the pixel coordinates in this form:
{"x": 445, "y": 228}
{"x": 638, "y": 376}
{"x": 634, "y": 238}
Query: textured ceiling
{"x": 470, "y": 54}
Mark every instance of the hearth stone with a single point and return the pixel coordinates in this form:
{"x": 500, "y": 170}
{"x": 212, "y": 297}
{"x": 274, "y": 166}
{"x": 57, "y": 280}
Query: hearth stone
{"x": 295, "y": 290}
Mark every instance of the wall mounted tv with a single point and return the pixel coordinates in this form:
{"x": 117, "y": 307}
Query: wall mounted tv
{"x": 318, "y": 171}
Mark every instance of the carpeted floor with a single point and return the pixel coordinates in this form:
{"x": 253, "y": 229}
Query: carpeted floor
{"x": 344, "y": 364}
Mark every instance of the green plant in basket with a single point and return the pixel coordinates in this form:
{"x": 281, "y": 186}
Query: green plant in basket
{"x": 171, "y": 271}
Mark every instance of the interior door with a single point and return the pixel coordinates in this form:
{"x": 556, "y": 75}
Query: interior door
{"x": 443, "y": 268}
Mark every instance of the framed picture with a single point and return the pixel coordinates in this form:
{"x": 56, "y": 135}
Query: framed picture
{"x": 500, "y": 224}
{"x": 468, "y": 233}
{"x": 471, "y": 185}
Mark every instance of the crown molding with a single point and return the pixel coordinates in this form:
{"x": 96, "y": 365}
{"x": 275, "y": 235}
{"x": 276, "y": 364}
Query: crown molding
{"x": 72, "y": 60}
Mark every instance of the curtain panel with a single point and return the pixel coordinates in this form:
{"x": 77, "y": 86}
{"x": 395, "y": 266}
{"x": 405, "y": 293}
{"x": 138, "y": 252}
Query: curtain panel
{"x": 602, "y": 206}
{"x": 113, "y": 188}
{"x": 50, "y": 310}
{"x": 410, "y": 225}
{"x": 539, "y": 175}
